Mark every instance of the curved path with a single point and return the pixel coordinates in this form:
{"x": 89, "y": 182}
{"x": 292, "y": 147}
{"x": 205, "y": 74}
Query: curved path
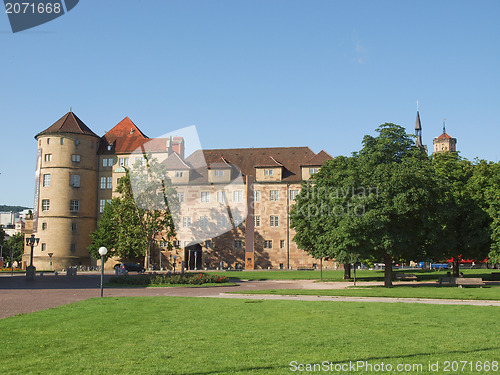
{"x": 20, "y": 296}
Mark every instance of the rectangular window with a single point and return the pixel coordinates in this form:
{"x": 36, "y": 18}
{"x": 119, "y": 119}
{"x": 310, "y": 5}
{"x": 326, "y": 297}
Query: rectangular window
{"x": 274, "y": 195}
{"x": 205, "y": 196}
{"x": 257, "y": 220}
{"x": 140, "y": 160}
{"x": 268, "y": 172}
{"x": 62, "y": 141}
{"x": 74, "y": 205}
{"x": 123, "y": 162}
{"x": 75, "y": 158}
{"x": 48, "y": 157}
{"x": 77, "y": 142}
{"x": 238, "y": 195}
{"x": 109, "y": 182}
{"x": 274, "y": 221}
{"x": 102, "y": 204}
{"x": 44, "y": 246}
{"x": 107, "y": 162}
{"x": 293, "y": 194}
{"x": 46, "y": 180}
{"x": 74, "y": 180}
{"x": 44, "y": 226}
{"x": 238, "y": 244}
{"x": 179, "y": 174}
{"x": 313, "y": 170}
{"x": 186, "y": 221}
{"x": 177, "y": 243}
{"x": 268, "y": 244}
{"x": 180, "y": 197}
{"x": 256, "y": 195}
{"x": 48, "y": 140}
{"x": 282, "y": 244}
{"x": 221, "y": 222}
{"x": 221, "y": 196}
{"x": 74, "y": 226}
{"x": 208, "y": 244}
{"x": 45, "y": 204}
{"x": 103, "y": 182}
{"x": 219, "y": 173}
{"x": 204, "y": 221}
{"x": 73, "y": 247}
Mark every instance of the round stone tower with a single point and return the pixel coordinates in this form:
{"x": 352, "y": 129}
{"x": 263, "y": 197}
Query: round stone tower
{"x": 66, "y": 194}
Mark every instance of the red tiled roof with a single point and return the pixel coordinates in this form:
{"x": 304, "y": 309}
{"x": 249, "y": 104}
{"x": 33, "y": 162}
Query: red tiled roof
{"x": 174, "y": 162}
{"x": 444, "y": 135}
{"x": 270, "y": 162}
{"x": 246, "y": 159}
{"x": 126, "y": 137}
{"x": 318, "y": 160}
{"x": 69, "y": 123}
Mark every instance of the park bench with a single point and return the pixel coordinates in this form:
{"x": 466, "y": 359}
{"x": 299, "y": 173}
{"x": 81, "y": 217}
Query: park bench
{"x": 469, "y": 281}
{"x": 406, "y": 277}
{"x": 447, "y": 280}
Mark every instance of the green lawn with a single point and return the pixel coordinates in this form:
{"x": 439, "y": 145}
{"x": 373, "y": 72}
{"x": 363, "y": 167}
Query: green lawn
{"x": 485, "y": 293}
{"x": 337, "y": 275}
{"x": 176, "y": 335}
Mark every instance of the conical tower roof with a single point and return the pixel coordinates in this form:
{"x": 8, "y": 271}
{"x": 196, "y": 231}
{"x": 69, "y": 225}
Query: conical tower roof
{"x": 418, "y": 125}
{"x": 69, "y": 123}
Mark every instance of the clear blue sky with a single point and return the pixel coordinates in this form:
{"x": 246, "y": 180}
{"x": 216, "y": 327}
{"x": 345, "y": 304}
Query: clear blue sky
{"x": 253, "y": 74}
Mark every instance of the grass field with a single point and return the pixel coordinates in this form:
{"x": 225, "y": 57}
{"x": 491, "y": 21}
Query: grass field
{"x": 176, "y": 335}
{"x": 337, "y": 275}
{"x": 485, "y": 293}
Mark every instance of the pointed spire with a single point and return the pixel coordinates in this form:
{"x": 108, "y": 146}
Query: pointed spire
{"x": 418, "y": 130}
{"x": 444, "y": 126}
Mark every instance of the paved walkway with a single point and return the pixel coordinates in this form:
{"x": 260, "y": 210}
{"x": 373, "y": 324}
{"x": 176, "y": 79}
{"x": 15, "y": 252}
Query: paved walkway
{"x": 20, "y": 296}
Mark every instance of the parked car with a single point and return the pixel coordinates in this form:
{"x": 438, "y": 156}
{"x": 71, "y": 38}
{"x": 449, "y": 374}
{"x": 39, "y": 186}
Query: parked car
{"x": 130, "y": 267}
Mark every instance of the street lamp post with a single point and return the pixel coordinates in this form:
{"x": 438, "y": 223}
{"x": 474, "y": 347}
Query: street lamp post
{"x": 31, "y": 270}
{"x": 175, "y": 258}
{"x": 102, "y": 251}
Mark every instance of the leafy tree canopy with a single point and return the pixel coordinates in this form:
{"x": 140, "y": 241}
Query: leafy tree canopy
{"x": 378, "y": 204}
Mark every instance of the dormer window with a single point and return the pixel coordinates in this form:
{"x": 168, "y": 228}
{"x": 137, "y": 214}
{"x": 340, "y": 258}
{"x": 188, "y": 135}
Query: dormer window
{"x": 219, "y": 173}
{"x": 313, "y": 170}
{"x": 109, "y": 147}
{"x": 268, "y": 172}
{"x": 179, "y": 174}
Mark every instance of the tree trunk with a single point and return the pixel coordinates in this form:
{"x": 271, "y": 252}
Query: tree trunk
{"x": 388, "y": 271}
{"x": 456, "y": 267}
{"x": 347, "y": 271}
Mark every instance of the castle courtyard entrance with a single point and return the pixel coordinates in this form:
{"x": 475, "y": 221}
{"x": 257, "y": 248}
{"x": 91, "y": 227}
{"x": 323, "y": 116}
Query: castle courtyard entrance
{"x": 193, "y": 257}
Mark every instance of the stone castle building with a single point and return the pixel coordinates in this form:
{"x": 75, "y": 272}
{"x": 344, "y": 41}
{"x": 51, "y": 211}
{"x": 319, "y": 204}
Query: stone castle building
{"x": 78, "y": 171}
{"x": 235, "y": 203}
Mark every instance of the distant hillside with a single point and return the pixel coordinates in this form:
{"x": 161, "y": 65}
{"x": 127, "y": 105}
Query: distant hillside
{"x": 4, "y": 208}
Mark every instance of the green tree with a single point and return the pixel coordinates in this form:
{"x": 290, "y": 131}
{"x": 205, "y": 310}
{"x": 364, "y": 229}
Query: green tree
{"x": 465, "y": 223}
{"x": 2, "y": 235}
{"x": 485, "y": 187}
{"x": 132, "y": 222}
{"x": 16, "y": 245}
{"x": 379, "y": 204}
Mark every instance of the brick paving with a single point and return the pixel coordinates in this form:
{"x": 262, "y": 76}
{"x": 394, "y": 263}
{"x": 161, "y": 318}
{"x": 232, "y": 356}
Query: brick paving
{"x": 17, "y": 295}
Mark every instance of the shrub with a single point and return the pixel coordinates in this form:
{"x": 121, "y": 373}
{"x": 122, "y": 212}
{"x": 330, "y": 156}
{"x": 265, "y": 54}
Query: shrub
{"x": 169, "y": 279}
